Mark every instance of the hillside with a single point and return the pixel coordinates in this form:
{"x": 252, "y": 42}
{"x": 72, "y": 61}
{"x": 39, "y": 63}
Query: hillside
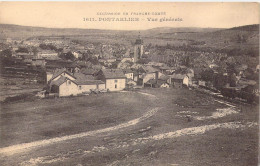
{"x": 17, "y": 31}
{"x": 243, "y": 37}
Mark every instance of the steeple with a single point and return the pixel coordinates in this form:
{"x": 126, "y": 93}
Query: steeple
{"x": 138, "y": 48}
{"x": 139, "y": 40}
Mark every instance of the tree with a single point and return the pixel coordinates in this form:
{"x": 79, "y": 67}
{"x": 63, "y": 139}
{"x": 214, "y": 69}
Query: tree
{"x": 94, "y": 60}
{"x": 47, "y": 47}
{"x": 22, "y": 50}
{"x": 239, "y": 39}
{"x": 67, "y": 56}
{"x": 220, "y": 81}
{"x": 186, "y": 61}
{"x": 35, "y": 51}
{"x": 6, "y": 58}
{"x": 6, "y": 53}
{"x": 233, "y": 80}
{"x": 207, "y": 75}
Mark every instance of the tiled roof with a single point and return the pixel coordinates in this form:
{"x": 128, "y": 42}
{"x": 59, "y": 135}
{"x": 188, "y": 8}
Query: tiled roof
{"x": 153, "y": 81}
{"x": 80, "y": 76}
{"x": 149, "y": 69}
{"x": 78, "y": 81}
{"x": 58, "y": 72}
{"x": 88, "y": 71}
{"x": 113, "y": 73}
{"x": 82, "y": 79}
{"x": 127, "y": 71}
{"x": 59, "y": 81}
{"x": 165, "y": 68}
{"x": 88, "y": 82}
{"x": 164, "y": 77}
{"x": 178, "y": 76}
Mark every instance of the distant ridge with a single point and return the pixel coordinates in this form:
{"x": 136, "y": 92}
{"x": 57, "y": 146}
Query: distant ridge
{"x": 253, "y": 27}
{"x": 211, "y": 37}
{"x": 19, "y": 31}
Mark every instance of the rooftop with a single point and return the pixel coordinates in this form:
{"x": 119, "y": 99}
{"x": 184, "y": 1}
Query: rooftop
{"x": 178, "y": 76}
{"x": 113, "y": 73}
{"x": 58, "y": 72}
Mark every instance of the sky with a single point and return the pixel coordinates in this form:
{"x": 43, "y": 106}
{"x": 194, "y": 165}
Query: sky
{"x": 72, "y": 14}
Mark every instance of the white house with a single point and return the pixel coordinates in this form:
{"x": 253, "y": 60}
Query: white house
{"x": 127, "y": 59}
{"x": 60, "y": 73}
{"x": 65, "y": 83}
{"x": 114, "y": 79}
{"x": 77, "y": 54}
{"x": 66, "y": 87}
{"x": 129, "y": 74}
{"x": 180, "y": 79}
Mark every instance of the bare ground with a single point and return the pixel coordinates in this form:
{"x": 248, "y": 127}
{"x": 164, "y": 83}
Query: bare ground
{"x": 151, "y": 127}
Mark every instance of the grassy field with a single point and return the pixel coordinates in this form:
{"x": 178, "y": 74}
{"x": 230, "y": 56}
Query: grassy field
{"x": 11, "y": 87}
{"x": 148, "y": 127}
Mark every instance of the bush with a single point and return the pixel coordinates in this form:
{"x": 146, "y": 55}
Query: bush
{"x": 22, "y": 97}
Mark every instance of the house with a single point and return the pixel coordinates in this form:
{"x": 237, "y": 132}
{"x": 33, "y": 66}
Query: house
{"x": 77, "y": 54}
{"x": 38, "y": 62}
{"x": 127, "y": 59}
{"x": 257, "y": 68}
{"x": 107, "y": 60}
{"x": 25, "y": 55}
{"x": 47, "y": 54}
{"x": 115, "y": 79}
{"x": 130, "y": 83}
{"x": 89, "y": 71}
{"x": 149, "y": 72}
{"x": 202, "y": 83}
{"x": 164, "y": 69}
{"x": 165, "y": 78}
{"x": 66, "y": 87}
{"x": 213, "y": 65}
{"x": 151, "y": 83}
{"x": 178, "y": 80}
{"x": 60, "y": 72}
{"x": 65, "y": 83}
{"x": 156, "y": 83}
{"x": 136, "y": 75}
{"x": 129, "y": 74}
{"x": 157, "y": 64}
{"x": 136, "y": 66}
{"x": 124, "y": 65}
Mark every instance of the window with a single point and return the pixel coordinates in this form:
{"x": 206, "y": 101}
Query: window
{"x": 115, "y": 81}
{"x": 79, "y": 87}
{"x": 69, "y": 82}
{"x": 115, "y": 86}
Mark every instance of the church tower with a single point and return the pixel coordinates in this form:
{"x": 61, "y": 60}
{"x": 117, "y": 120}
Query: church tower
{"x": 138, "y": 49}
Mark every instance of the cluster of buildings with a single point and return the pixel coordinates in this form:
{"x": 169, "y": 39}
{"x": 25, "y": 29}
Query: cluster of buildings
{"x": 111, "y": 73}
{"x": 64, "y": 83}
{"x": 78, "y": 81}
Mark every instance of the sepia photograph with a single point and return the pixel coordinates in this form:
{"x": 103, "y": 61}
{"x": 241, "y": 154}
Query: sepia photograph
{"x": 129, "y": 83}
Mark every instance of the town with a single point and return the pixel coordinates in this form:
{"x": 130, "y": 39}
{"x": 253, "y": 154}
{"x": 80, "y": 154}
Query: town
{"x": 161, "y": 96}
{"x": 65, "y": 67}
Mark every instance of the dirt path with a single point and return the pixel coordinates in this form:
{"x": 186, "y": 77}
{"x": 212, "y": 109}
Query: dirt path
{"x": 10, "y": 150}
{"x": 148, "y": 94}
{"x": 133, "y": 142}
